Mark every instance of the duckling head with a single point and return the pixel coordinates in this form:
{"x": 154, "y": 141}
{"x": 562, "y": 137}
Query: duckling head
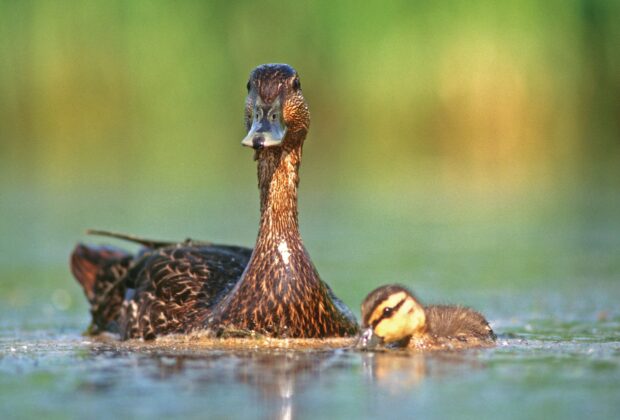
{"x": 391, "y": 315}
{"x": 276, "y": 113}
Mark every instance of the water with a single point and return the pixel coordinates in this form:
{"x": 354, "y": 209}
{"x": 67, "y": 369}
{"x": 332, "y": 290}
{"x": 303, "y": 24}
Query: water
{"x": 65, "y": 375}
{"x": 542, "y": 264}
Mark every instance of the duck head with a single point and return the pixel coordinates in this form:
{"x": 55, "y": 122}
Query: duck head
{"x": 276, "y": 113}
{"x": 391, "y": 315}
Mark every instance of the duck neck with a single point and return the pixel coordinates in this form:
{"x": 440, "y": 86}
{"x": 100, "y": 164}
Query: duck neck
{"x": 278, "y": 178}
{"x": 280, "y": 293}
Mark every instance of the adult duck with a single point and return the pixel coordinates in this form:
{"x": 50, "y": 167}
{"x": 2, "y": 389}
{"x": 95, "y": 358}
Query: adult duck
{"x": 273, "y": 290}
{"x": 392, "y": 316}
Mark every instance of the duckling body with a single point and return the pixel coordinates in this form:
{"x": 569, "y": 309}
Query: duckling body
{"x": 392, "y": 316}
{"x": 447, "y": 323}
{"x": 273, "y": 289}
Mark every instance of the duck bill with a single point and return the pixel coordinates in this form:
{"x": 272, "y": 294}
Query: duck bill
{"x": 369, "y": 340}
{"x": 265, "y": 133}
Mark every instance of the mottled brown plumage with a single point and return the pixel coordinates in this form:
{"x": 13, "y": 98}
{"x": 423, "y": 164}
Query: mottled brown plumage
{"x": 391, "y": 315}
{"x": 150, "y": 293}
{"x": 99, "y": 269}
{"x": 178, "y": 288}
{"x": 281, "y": 293}
{"x": 175, "y": 287}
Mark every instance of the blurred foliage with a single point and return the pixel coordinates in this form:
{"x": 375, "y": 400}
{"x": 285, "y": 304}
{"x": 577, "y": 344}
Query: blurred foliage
{"x": 117, "y": 93}
{"x": 460, "y": 132}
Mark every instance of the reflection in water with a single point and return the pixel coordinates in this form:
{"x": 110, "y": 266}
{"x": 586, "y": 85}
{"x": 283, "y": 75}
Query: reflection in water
{"x": 395, "y": 370}
{"x": 274, "y": 377}
{"x": 276, "y": 383}
{"x": 279, "y": 376}
{"x": 402, "y": 371}
{"x": 75, "y": 377}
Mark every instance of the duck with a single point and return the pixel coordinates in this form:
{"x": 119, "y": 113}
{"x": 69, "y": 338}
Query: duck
{"x": 393, "y": 317}
{"x": 273, "y": 289}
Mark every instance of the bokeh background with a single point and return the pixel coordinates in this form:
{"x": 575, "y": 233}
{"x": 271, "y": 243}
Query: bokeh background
{"x": 470, "y": 150}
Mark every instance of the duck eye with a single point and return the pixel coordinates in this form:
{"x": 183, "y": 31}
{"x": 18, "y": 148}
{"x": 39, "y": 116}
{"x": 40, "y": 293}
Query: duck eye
{"x": 296, "y": 84}
{"x": 387, "y": 311}
{"x": 248, "y": 86}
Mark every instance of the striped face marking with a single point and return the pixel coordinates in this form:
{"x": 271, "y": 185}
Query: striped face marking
{"x": 380, "y": 312}
{"x": 397, "y": 317}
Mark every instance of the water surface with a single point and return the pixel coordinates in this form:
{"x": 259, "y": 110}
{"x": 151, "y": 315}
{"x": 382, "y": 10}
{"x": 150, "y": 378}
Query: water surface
{"x": 542, "y": 265}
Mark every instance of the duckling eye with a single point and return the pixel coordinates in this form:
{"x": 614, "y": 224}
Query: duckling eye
{"x": 387, "y": 311}
{"x": 296, "y": 84}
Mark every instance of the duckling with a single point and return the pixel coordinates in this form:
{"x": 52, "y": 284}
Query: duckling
{"x": 273, "y": 289}
{"x": 392, "y": 315}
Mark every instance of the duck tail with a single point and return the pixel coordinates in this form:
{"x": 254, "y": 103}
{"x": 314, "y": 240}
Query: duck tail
{"x": 88, "y": 261}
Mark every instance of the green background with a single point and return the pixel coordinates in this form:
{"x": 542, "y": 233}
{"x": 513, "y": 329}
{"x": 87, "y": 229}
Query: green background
{"x": 470, "y": 150}
{"x": 469, "y": 144}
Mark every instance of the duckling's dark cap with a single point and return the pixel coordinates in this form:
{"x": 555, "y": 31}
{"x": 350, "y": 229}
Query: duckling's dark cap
{"x": 377, "y": 296}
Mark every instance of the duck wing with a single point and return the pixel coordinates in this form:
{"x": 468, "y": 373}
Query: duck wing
{"x": 172, "y": 289}
{"x": 110, "y": 276}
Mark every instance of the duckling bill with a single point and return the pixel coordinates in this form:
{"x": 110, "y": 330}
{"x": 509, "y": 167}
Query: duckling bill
{"x": 392, "y": 316}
